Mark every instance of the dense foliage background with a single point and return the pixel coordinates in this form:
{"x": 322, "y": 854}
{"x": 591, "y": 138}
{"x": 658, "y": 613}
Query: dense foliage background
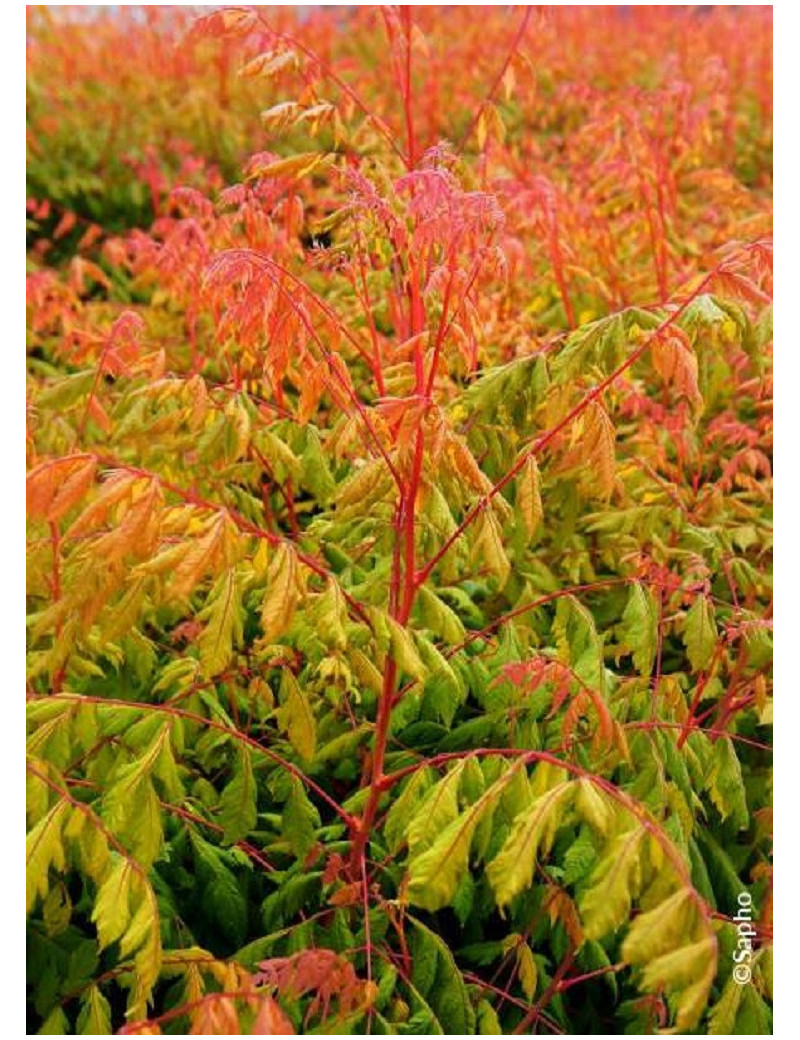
{"x": 399, "y": 443}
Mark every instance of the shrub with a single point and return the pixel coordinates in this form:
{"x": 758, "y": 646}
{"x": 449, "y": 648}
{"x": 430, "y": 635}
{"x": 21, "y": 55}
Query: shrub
{"x": 399, "y": 597}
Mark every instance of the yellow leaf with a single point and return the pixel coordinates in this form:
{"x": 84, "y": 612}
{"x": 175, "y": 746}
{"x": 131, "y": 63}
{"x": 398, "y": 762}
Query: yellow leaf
{"x": 533, "y": 829}
{"x": 529, "y": 495}
{"x": 44, "y": 849}
{"x": 269, "y": 63}
{"x": 292, "y": 166}
{"x": 296, "y": 717}
{"x": 111, "y": 912}
{"x": 282, "y": 593}
{"x": 488, "y": 549}
{"x": 593, "y": 806}
{"x": 224, "y": 627}
{"x": 528, "y": 973}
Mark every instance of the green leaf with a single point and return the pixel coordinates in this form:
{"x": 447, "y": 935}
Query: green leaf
{"x": 131, "y": 808}
{"x": 404, "y": 651}
{"x": 722, "y": 1017}
{"x": 437, "y": 616}
{"x": 700, "y": 633}
{"x": 237, "y": 806}
{"x": 223, "y": 896}
{"x": 315, "y": 473}
{"x": 437, "y": 809}
{"x": 94, "y": 1018}
{"x": 488, "y": 1023}
{"x": 404, "y": 808}
{"x": 436, "y": 976}
{"x": 639, "y": 628}
{"x": 726, "y": 785}
{"x": 330, "y": 614}
{"x": 578, "y": 643}
{"x": 299, "y": 819}
{"x": 580, "y": 857}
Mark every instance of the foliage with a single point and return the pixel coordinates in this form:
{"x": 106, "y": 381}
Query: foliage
{"x": 399, "y": 599}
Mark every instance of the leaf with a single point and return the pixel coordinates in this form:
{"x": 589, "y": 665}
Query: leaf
{"x": 44, "y": 849}
{"x": 131, "y": 808}
{"x": 299, "y": 819}
{"x": 615, "y": 882}
{"x": 222, "y": 894}
{"x": 437, "y": 616}
{"x": 224, "y": 626}
{"x": 639, "y": 628}
{"x": 528, "y": 972}
{"x": 533, "y": 831}
{"x": 436, "y": 976}
{"x": 487, "y": 546}
{"x": 444, "y": 690}
{"x": 438, "y": 807}
{"x": 403, "y": 810}
{"x": 271, "y": 1020}
{"x": 282, "y": 593}
{"x": 578, "y": 643}
{"x": 401, "y": 644}
{"x": 726, "y": 785}
{"x": 316, "y": 474}
{"x": 435, "y": 874}
{"x": 294, "y": 166}
{"x": 57, "y": 1023}
{"x": 296, "y": 718}
{"x": 54, "y": 487}
{"x": 237, "y": 806}
{"x": 111, "y": 912}
{"x": 689, "y": 971}
{"x": 661, "y": 929}
{"x": 488, "y": 1023}
{"x": 740, "y": 1011}
{"x": 675, "y": 362}
{"x": 72, "y": 490}
{"x": 269, "y": 63}
{"x": 593, "y": 806}
{"x": 580, "y": 857}
{"x": 330, "y": 613}
{"x": 365, "y": 671}
{"x": 700, "y": 633}
{"x": 94, "y": 1018}
{"x": 529, "y": 495}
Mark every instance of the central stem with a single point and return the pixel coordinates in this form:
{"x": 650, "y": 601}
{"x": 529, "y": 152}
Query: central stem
{"x": 411, "y": 146}
{"x": 403, "y": 584}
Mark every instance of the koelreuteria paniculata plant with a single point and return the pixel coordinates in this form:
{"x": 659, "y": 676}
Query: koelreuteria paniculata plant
{"x": 399, "y": 599}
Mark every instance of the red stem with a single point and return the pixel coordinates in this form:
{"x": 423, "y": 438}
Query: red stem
{"x": 407, "y": 95}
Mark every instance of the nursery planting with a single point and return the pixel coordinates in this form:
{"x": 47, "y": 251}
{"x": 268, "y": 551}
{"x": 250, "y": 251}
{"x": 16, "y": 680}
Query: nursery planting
{"x": 399, "y": 611}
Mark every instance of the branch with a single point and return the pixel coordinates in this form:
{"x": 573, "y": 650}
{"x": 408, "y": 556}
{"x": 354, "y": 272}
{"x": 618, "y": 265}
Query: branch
{"x": 549, "y": 435}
